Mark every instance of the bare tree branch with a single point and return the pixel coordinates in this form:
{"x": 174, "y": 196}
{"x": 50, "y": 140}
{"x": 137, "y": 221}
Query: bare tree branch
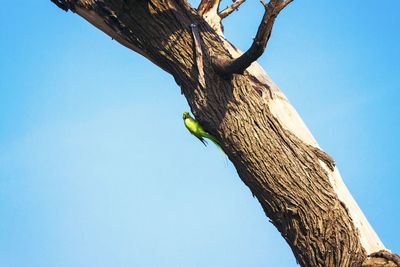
{"x": 231, "y": 66}
{"x": 227, "y": 11}
{"x": 207, "y": 5}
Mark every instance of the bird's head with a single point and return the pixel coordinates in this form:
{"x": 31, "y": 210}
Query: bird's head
{"x": 185, "y": 115}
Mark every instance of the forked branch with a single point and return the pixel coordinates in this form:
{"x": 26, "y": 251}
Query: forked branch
{"x": 238, "y": 65}
{"x": 227, "y": 11}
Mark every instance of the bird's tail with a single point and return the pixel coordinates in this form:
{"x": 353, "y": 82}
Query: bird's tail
{"x": 215, "y": 141}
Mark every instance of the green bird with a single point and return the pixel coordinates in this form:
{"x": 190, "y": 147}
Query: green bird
{"x": 195, "y": 128}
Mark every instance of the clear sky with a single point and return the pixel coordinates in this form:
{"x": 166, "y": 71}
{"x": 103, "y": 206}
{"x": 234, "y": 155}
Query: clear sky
{"x": 97, "y": 169}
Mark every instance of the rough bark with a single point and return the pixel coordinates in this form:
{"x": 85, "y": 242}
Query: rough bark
{"x": 295, "y": 182}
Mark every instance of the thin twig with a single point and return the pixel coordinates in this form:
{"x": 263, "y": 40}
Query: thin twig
{"x": 227, "y": 11}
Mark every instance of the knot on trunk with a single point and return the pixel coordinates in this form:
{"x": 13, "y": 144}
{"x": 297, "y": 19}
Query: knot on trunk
{"x": 382, "y": 258}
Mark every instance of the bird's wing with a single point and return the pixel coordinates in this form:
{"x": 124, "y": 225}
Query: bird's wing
{"x": 214, "y": 140}
{"x": 201, "y": 139}
{"x": 195, "y": 128}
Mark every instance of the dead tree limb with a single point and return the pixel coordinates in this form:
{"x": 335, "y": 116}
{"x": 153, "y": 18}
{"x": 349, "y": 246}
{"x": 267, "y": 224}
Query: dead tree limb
{"x": 227, "y": 66}
{"x": 227, "y": 11}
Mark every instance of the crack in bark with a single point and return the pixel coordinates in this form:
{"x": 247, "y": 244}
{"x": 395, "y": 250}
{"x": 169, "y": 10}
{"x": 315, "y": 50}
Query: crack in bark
{"x": 198, "y": 54}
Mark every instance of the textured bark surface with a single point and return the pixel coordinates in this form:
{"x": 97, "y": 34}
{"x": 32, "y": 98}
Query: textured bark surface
{"x": 287, "y": 176}
{"x": 382, "y": 259}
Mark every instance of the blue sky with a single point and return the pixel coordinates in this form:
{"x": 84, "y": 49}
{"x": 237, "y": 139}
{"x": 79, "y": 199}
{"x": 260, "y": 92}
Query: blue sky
{"x": 96, "y": 168}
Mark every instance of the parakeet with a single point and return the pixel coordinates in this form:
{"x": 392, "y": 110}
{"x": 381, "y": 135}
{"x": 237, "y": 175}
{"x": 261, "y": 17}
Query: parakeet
{"x": 195, "y": 128}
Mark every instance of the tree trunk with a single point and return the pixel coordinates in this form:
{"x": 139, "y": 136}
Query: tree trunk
{"x": 296, "y": 183}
